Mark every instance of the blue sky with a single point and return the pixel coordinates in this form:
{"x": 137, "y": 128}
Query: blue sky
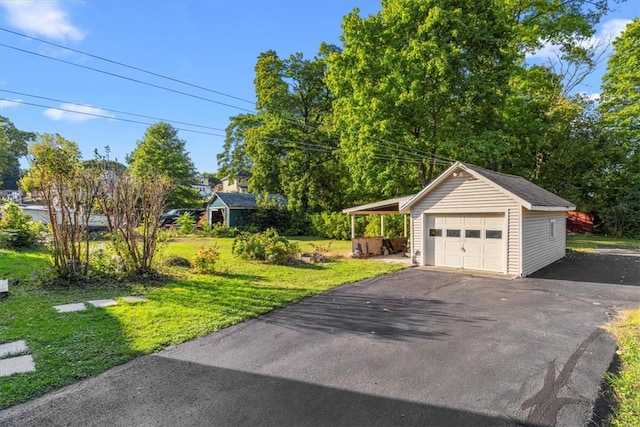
{"x": 213, "y": 44}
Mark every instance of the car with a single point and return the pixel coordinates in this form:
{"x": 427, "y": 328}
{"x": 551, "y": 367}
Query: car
{"x": 168, "y": 219}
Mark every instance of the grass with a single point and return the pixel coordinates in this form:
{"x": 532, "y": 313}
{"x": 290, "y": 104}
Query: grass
{"x": 588, "y": 242}
{"x": 626, "y": 384}
{"x": 68, "y": 347}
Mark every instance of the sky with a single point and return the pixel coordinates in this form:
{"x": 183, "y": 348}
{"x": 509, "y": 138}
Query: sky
{"x": 210, "y": 44}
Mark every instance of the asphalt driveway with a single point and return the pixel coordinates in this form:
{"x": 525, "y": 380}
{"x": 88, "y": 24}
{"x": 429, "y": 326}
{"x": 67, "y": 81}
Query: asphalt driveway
{"x": 415, "y": 347}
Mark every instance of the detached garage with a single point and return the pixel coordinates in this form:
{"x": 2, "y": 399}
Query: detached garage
{"x": 477, "y": 219}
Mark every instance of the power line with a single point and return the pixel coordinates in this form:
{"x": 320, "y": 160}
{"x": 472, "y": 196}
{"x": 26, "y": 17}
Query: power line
{"x": 127, "y": 78}
{"x": 173, "y": 79}
{"x": 389, "y": 144}
{"x": 111, "y": 110}
{"x": 102, "y": 116}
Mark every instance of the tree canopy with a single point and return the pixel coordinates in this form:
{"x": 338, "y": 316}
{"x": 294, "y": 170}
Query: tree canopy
{"x": 13, "y": 145}
{"x": 161, "y": 151}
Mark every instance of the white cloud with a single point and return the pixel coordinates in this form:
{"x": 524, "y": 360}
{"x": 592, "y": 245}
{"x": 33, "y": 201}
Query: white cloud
{"x": 46, "y": 18}
{"x": 8, "y": 103}
{"x": 75, "y": 113}
{"x": 601, "y": 40}
{"x": 595, "y": 97}
{"x": 612, "y": 29}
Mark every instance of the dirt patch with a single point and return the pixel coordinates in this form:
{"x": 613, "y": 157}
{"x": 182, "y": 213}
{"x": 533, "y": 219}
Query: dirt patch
{"x": 594, "y": 267}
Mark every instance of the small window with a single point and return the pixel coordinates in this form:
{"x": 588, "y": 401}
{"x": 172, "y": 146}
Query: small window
{"x": 472, "y": 234}
{"x": 453, "y": 233}
{"x": 493, "y": 234}
{"x": 552, "y": 229}
{"x": 435, "y": 232}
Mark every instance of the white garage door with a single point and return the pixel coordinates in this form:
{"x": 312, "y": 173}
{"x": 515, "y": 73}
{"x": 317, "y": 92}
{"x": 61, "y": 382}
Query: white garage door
{"x": 473, "y": 241}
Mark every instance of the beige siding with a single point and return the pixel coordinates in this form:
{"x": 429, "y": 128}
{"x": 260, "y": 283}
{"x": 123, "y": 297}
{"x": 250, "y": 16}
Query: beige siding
{"x": 459, "y": 195}
{"x": 539, "y": 248}
{"x": 513, "y": 250}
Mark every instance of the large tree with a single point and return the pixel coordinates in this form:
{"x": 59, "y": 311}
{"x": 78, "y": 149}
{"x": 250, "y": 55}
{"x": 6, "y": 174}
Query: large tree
{"x": 162, "y": 152}
{"x": 13, "y": 145}
{"x": 620, "y": 109}
{"x": 288, "y": 144}
{"x": 419, "y": 80}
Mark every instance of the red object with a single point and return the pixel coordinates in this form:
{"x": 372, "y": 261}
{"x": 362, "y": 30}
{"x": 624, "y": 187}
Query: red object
{"x": 579, "y": 222}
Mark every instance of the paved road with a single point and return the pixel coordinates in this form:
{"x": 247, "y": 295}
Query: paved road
{"x": 415, "y": 347}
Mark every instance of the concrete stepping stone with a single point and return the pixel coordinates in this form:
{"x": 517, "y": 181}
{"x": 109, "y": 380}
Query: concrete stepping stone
{"x": 14, "y": 347}
{"x": 4, "y": 287}
{"x": 16, "y": 365}
{"x": 103, "y": 302}
{"x": 69, "y": 308}
{"x": 135, "y": 298}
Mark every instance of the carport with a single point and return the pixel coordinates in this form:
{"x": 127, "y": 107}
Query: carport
{"x": 382, "y": 208}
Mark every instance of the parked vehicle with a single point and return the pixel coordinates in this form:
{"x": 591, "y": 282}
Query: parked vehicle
{"x": 168, "y": 219}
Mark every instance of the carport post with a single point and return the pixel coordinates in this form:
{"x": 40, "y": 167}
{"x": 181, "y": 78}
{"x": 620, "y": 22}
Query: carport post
{"x": 382, "y": 225}
{"x": 404, "y": 218}
{"x": 353, "y": 227}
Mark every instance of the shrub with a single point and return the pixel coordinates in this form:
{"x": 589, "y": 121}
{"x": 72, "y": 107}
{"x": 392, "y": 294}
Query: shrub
{"x": 186, "y": 223}
{"x": 105, "y": 261}
{"x": 335, "y": 225}
{"x": 204, "y": 261}
{"x": 176, "y": 261}
{"x": 267, "y": 246}
{"x": 17, "y": 229}
{"x": 219, "y": 230}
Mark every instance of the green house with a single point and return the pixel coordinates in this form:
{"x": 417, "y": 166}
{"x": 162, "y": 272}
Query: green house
{"x": 230, "y": 209}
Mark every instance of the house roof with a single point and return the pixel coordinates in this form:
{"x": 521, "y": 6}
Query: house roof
{"x": 529, "y": 195}
{"x": 389, "y": 206}
{"x": 243, "y": 200}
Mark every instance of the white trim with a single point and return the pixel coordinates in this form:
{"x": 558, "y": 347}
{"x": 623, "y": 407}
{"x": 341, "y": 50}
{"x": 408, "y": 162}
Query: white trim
{"x": 362, "y": 209}
{"x": 552, "y": 208}
{"x": 406, "y": 207}
{"x": 505, "y": 245}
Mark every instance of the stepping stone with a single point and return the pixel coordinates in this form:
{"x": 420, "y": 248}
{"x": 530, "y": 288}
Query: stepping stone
{"x": 14, "y": 347}
{"x": 15, "y": 365}
{"x": 103, "y": 302}
{"x": 69, "y": 308}
{"x": 136, "y": 298}
{"x": 4, "y": 287}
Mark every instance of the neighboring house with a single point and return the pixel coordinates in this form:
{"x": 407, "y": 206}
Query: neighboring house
{"x": 237, "y": 184}
{"x": 231, "y": 208}
{"x": 477, "y": 219}
{"x": 202, "y": 186}
{"x": 11, "y": 195}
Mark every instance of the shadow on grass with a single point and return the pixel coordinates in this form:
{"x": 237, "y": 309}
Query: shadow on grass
{"x": 159, "y": 390}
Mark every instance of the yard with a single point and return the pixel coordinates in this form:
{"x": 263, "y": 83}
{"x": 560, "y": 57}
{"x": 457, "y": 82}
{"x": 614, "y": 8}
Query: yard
{"x": 68, "y": 347}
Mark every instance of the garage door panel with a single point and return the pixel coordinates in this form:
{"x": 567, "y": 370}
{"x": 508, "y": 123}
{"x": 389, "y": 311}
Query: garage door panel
{"x": 472, "y": 241}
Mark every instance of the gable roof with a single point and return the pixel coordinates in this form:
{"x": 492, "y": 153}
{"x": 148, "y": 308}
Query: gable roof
{"x": 524, "y": 192}
{"x": 243, "y": 200}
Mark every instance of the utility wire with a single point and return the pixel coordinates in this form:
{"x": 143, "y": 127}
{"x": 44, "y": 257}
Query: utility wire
{"x": 102, "y": 58}
{"x": 388, "y": 144}
{"x": 102, "y": 116}
{"x": 112, "y": 111}
{"x": 127, "y": 78}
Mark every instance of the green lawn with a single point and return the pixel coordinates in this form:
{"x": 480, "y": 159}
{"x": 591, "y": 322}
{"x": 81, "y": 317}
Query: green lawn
{"x": 626, "y": 384}
{"x": 71, "y": 346}
{"x": 588, "y": 242}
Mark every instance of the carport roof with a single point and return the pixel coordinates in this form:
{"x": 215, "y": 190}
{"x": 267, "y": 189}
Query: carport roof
{"x": 389, "y": 206}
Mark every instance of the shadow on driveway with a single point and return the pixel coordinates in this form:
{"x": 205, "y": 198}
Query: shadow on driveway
{"x": 210, "y": 395}
{"x": 598, "y": 268}
{"x": 385, "y": 317}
